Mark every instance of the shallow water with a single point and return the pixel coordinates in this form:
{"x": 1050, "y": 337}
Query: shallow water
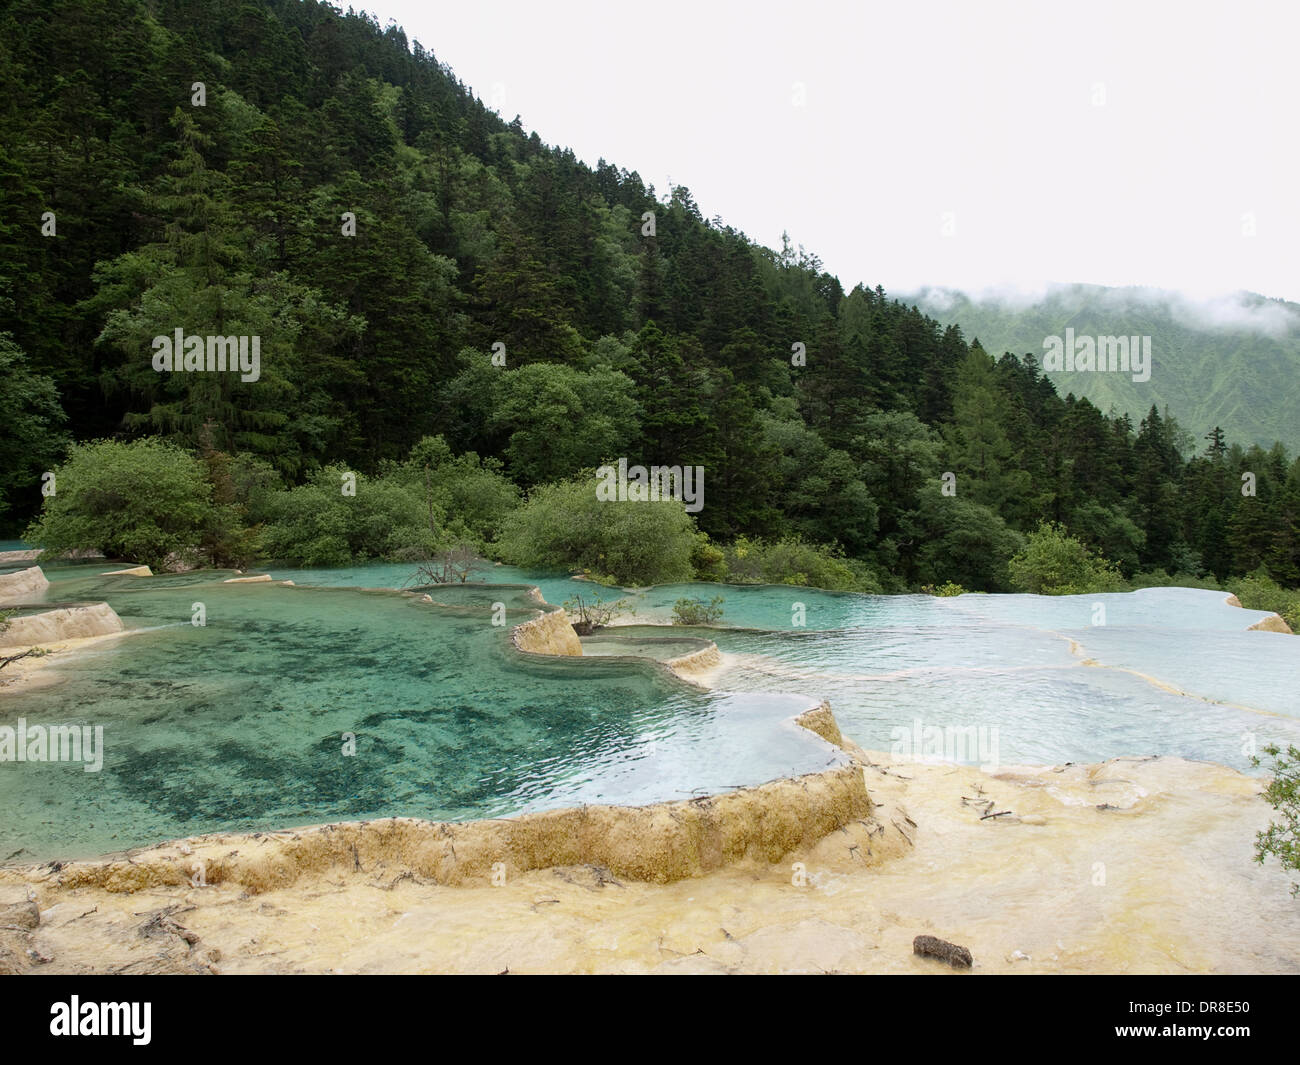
{"x": 240, "y": 723}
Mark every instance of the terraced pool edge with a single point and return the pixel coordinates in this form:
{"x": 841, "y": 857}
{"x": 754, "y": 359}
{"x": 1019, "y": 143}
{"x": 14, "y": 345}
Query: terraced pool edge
{"x": 658, "y": 843}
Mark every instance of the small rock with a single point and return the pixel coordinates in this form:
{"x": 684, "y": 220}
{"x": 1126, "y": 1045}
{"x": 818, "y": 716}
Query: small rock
{"x": 934, "y": 947}
{"x": 1018, "y": 955}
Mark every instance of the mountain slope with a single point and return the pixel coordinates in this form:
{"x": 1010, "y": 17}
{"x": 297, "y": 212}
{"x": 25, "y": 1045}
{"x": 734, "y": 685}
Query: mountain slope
{"x": 1232, "y": 363}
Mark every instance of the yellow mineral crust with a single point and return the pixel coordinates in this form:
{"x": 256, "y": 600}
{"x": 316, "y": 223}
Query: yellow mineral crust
{"x": 551, "y": 634}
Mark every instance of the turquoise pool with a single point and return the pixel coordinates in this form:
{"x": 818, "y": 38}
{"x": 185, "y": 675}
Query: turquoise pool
{"x": 240, "y": 723}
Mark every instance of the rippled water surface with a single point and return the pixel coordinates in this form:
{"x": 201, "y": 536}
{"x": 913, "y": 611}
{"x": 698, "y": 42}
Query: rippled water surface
{"x": 240, "y": 723}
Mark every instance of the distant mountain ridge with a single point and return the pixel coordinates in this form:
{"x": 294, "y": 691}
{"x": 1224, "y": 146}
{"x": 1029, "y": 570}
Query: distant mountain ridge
{"x": 1233, "y": 362}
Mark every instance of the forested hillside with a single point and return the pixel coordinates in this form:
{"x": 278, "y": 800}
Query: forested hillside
{"x": 1223, "y": 362}
{"x": 821, "y": 417}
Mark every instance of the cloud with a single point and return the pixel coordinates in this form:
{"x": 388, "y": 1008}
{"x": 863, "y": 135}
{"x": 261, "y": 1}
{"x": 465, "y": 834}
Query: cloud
{"x": 1225, "y": 312}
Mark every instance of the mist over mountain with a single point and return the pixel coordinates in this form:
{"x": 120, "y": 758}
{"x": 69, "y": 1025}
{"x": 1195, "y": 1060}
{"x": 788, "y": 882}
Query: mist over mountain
{"x": 1224, "y": 361}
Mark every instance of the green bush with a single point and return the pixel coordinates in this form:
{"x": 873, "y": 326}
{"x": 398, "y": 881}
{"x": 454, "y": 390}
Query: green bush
{"x": 142, "y": 501}
{"x": 792, "y": 561}
{"x": 1159, "y": 578}
{"x": 697, "y": 612}
{"x": 708, "y": 560}
{"x": 944, "y": 591}
{"x": 315, "y": 524}
{"x": 1054, "y": 563}
{"x": 564, "y": 525}
{"x": 1282, "y": 840}
{"x": 474, "y": 493}
{"x": 963, "y": 542}
{"x": 1260, "y": 592}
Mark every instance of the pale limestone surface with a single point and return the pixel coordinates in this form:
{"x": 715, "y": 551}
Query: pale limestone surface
{"x": 22, "y": 586}
{"x": 66, "y": 623}
{"x": 550, "y": 634}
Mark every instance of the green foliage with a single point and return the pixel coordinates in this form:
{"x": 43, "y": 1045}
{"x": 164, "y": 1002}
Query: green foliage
{"x": 1055, "y": 563}
{"x": 33, "y": 438}
{"x": 792, "y": 561}
{"x": 1281, "y": 840}
{"x": 316, "y": 524}
{"x": 708, "y": 561}
{"x": 979, "y": 449}
{"x": 691, "y": 611}
{"x": 1259, "y": 591}
{"x": 474, "y": 493}
{"x": 1158, "y": 578}
{"x": 142, "y": 501}
{"x": 944, "y": 591}
{"x": 962, "y": 541}
{"x": 475, "y": 239}
{"x": 559, "y": 419}
{"x": 228, "y": 540}
{"x": 564, "y": 525}
{"x": 1206, "y": 372}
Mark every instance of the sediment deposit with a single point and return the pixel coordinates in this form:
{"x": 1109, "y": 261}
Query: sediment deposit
{"x": 65, "y": 623}
{"x": 550, "y": 634}
{"x": 22, "y": 586}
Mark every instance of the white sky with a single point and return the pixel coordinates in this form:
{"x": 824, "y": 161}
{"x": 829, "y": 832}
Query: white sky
{"x": 913, "y": 109}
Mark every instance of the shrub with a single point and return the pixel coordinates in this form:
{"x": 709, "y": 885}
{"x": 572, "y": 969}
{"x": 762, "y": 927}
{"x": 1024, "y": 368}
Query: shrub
{"x": 793, "y": 561}
{"x": 474, "y": 493}
{"x": 1282, "y": 841}
{"x": 451, "y": 565}
{"x": 707, "y": 559}
{"x": 143, "y": 501}
{"x": 1159, "y": 578}
{"x": 564, "y": 525}
{"x": 944, "y": 590}
{"x": 1055, "y": 563}
{"x": 697, "y": 611}
{"x": 1260, "y": 592}
{"x": 315, "y": 524}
